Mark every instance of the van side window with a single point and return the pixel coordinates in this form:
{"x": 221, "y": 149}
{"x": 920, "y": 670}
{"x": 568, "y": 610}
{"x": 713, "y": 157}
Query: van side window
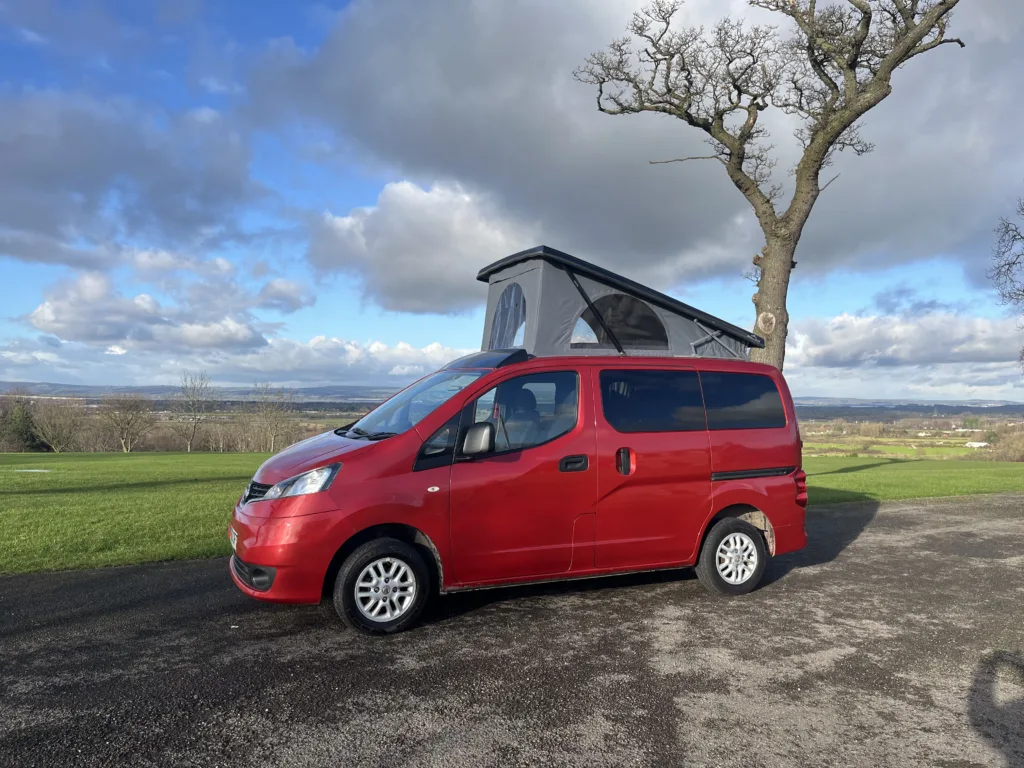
{"x": 652, "y": 401}
{"x": 529, "y": 410}
{"x": 742, "y": 401}
{"x": 439, "y": 449}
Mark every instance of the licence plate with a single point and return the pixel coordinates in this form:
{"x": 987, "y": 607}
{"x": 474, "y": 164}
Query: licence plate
{"x": 234, "y": 539}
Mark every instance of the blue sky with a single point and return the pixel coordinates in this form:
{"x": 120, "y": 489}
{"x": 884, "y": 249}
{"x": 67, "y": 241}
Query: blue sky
{"x": 303, "y": 192}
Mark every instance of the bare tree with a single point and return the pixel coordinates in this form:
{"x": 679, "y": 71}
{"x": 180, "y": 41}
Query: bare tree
{"x": 273, "y": 407}
{"x": 835, "y": 67}
{"x": 58, "y": 422}
{"x": 128, "y": 418}
{"x": 1008, "y": 262}
{"x": 191, "y": 407}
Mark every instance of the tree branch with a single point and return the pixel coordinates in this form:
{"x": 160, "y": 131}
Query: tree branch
{"x": 829, "y": 183}
{"x": 685, "y": 159}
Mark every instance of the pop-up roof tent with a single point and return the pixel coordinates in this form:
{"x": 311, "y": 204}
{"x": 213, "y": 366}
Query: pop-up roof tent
{"x": 551, "y": 303}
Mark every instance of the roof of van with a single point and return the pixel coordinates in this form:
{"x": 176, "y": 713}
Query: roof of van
{"x": 499, "y": 358}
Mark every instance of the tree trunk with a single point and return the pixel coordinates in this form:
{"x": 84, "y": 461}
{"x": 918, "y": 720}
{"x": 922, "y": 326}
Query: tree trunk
{"x": 124, "y": 446}
{"x": 772, "y": 318}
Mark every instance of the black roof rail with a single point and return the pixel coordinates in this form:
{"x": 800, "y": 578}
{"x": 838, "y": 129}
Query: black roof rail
{"x": 492, "y": 358}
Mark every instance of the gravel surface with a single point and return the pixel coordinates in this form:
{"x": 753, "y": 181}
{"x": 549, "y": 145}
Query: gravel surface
{"x": 896, "y": 638}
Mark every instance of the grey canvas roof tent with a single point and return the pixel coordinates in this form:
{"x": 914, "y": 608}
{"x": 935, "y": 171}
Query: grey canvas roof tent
{"x": 550, "y": 303}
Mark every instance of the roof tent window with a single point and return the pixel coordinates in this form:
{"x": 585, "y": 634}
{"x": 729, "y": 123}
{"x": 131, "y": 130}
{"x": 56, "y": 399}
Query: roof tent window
{"x": 508, "y": 328}
{"x": 630, "y": 320}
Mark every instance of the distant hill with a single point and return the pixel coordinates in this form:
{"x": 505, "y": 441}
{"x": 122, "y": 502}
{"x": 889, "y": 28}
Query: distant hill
{"x": 330, "y": 394}
{"x": 807, "y": 407}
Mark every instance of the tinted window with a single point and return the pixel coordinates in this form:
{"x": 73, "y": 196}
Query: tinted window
{"x": 439, "y": 449}
{"x": 742, "y": 401}
{"x": 529, "y": 410}
{"x": 652, "y": 401}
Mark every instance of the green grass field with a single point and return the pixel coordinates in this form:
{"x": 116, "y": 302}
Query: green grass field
{"x": 112, "y": 509}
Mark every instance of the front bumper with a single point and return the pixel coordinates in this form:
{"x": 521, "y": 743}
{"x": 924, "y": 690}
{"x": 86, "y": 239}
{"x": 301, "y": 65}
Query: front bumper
{"x": 282, "y": 560}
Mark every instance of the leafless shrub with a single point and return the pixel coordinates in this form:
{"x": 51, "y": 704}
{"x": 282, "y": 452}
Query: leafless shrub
{"x": 127, "y": 418}
{"x": 58, "y": 422}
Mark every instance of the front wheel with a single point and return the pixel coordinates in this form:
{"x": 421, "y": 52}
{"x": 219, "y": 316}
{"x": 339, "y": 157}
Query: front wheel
{"x": 733, "y": 558}
{"x": 382, "y": 587}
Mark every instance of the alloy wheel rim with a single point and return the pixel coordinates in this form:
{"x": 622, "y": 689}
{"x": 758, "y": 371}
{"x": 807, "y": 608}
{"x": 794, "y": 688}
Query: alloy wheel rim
{"x": 385, "y": 589}
{"x": 736, "y": 558}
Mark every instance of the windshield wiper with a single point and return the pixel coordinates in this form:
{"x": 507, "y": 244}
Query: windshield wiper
{"x": 380, "y": 435}
{"x": 353, "y": 430}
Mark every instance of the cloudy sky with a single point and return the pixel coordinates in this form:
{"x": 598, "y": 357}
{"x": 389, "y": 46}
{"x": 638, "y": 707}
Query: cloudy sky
{"x": 303, "y": 193}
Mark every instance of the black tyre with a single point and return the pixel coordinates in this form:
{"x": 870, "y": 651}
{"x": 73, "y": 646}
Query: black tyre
{"x": 733, "y": 558}
{"x": 382, "y": 587}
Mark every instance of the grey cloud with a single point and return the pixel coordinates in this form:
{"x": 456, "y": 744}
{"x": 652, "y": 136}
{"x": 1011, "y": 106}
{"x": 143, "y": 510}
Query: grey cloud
{"x": 907, "y": 300}
{"x": 82, "y": 173}
{"x": 91, "y": 28}
{"x": 482, "y": 94}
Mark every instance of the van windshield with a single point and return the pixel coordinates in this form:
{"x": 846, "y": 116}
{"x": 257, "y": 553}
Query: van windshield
{"x": 412, "y": 404}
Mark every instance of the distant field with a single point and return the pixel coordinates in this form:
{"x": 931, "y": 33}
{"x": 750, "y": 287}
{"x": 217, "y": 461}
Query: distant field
{"x": 935, "y": 447}
{"x": 110, "y": 509}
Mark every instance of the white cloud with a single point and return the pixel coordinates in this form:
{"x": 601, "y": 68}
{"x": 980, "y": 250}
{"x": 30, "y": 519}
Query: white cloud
{"x": 931, "y": 356}
{"x": 893, "y": 341}
{"x": 31, "y": 36}
{"x": 211, "y": 313}
{"x": 418, "y": 250}
{"x": 319, "y": 361}
{"x": 116, "y": 349}
{"x": 284, "y": 296}
{"x": 219, "y": 86}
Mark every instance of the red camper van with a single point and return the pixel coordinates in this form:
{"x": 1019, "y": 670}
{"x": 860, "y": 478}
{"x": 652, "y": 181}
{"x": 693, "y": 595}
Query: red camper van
{"x": 507, "y": 467}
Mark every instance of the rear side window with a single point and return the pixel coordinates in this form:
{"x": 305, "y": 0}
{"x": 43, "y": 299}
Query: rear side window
{"x": 652, "y": 401}
{"x": 742, "y": 401}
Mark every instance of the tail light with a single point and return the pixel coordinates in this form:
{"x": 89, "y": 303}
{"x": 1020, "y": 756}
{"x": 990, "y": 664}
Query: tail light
{"x": 801, "y": 487}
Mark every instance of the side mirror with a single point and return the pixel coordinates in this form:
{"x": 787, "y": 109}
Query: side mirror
{"x": 479, "y": 439}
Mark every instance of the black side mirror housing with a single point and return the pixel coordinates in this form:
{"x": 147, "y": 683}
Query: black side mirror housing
{"x": 479, "y": 439}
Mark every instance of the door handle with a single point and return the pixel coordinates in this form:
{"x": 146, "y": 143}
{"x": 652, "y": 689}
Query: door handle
{"x": 574, "y": 464}
{"x": 623, "y": 461}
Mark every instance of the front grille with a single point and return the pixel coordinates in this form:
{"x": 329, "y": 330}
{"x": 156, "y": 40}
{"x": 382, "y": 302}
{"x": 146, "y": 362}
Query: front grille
{"x": 258, "y": 577}
{"x": 255, "y": 491}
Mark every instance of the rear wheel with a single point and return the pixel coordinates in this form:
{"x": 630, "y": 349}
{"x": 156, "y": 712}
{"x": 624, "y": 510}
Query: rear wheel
{"x": 382, "y": 587}
{"x": 733, "y": 558}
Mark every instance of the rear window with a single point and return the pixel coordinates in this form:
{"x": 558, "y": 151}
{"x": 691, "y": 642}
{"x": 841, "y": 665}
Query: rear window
{"x": 652, "y": 401}
{"x": 742, "y": 401}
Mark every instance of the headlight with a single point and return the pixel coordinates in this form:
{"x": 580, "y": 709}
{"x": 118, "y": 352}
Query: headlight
{"x": 314, "y": 481}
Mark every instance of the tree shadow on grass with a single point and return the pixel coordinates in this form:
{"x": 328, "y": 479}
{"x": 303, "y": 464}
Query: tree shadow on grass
{"x": 860, "y": 467}
{"x": 120, "y": 487}
{"x": 999, "y": 720}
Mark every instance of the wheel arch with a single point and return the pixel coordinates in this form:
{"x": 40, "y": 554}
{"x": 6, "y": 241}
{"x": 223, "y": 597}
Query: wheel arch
{"x": 401, "y": 531}
{"x": 748, "y": 513}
